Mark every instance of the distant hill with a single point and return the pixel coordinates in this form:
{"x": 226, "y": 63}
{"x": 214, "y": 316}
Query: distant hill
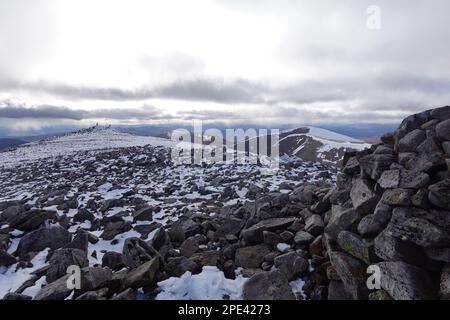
{"x": 369, "y": 132}
{"x": 6, "y": 143}
{"x": 317, "y": 144}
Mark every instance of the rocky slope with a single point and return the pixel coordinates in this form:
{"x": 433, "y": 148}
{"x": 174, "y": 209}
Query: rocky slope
{"x": 138, "y": 226}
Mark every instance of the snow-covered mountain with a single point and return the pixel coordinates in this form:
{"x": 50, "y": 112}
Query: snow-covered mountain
{"x": 307, "y": 143}
{"x": 317, "y": 144}
{"x": 91, "y": 139}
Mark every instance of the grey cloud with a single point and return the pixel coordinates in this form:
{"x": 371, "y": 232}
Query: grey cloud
{"x": 21, "y": 111}
{"x": 9, "y": 110}
{"x": 234, "y": 91}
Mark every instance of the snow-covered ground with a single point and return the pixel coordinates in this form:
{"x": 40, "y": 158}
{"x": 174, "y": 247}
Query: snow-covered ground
{"x": 92, "y": 168}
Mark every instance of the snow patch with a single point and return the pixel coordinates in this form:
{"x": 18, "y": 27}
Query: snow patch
{"x": 210, "y": 284}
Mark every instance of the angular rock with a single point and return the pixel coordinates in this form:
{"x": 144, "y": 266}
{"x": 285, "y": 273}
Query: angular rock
{"x": 83, "y": 215}
{"x": 268, "y": 286}
{"x": 420, "y": 199}
{"x": 442, "y": 113}
{"x": 291, "y": 264}
{"x": 137, "y": 252}
{"x": 410, "y": 142}
{"x": 142, "y": 276}
{"x": 438, "y": 218}
{"x": 405, "y": 282}
{"x": 390, "y": 248}
{"x": 94, "y": 278}
{"x": 4, "y": 241}
{"x": 439, "y": 194}
{"x": 113, "y": 260}
{"x": 314, "y": 225}
{"x": 208, "y": 258}
{"x": 443, "y": 130}
{"x": 144, "y": 214}
{"x": 303, "y": 238}
{"x": 373, "y": 224}
{"x": 113, "y": 229}
{"x": 178, "y": 266}
{"x": 373, "y": 165}
{"x": 397, "y": 197}
{"x": 352, "y": 273}
{"x": 80, "y": 241}
{"x": 31, "y": 220}
{"x": 420, "y": 232}
{"x": 16, "y": 297}
{"x": 414, "y": 180}
{"x": 342, "y": 219}
{"x": 6, "y": 259}
{"x": 57, "y": 290}
{"x": 271, "y": 238}
{"x": 390, "y": 179}
{"x": 254, "y": 234}
{"x": 230, "y": 226}
{"x": 61, "y": 259}
{"x": 352, "y": 167}
{"x": 251, "y": 257}
{"x": 363, "y": 197}
{"x": 52, "y": 237}
{"x": 189, "y": 247}
{"x": 356, "y": 246}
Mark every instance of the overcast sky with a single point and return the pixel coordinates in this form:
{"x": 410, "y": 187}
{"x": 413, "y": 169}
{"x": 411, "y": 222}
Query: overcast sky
{"x": 276, "y": 62}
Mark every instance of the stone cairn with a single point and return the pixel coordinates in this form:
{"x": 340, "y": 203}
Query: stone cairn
{"x": 390, "y": 209}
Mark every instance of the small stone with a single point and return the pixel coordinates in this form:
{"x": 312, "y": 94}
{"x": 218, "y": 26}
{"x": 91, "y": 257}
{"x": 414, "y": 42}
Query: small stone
{"x": 314, "y": 225}
{"x": 303, "y": 238}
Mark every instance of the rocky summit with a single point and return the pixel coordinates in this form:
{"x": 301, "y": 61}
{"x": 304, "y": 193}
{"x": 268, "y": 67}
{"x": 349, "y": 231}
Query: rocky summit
{"x": 137, "y": 227}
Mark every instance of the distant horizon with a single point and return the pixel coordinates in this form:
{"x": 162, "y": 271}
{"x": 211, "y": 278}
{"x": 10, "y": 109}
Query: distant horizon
{"x": 355, "y": 130}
